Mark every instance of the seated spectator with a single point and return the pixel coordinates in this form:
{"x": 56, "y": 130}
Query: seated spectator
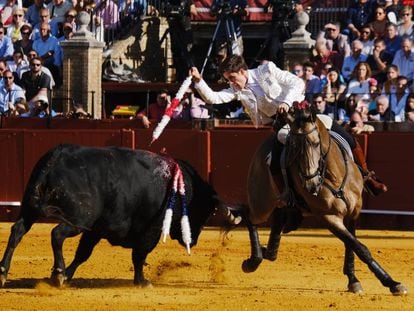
{"x": 25, "y": 44}
{"x": 379, "y": 24}
{"x": 33, "y": 12}
{"x": 13, "y": 31}
{"x": 398, "y": 99}
{"x": 323, "y": 56}
{"x": 21, "y": 109}
{"x": 359, "y": 80}
{"x": 357, "y": 125}
{"x": 70, "y": 18}
{"x": 6, "y": 45}
{"x": 382, "y": 111}
{"x": 67, "y": 34}
{"x": 334, "y": 86}
{"x": 374, "y": 92}
{"x": 406, "y": 27}
{"x": 350, "y": 107}
{"x": 379, "y": 60}
{"x": 359, "y": 14}
{"x": 33, "y": 54}
{"x": 297, "y": 70}
{"x": 48, "y": 48}
{"x": 35, "y": 82}
{"x": 40, "y": 108}
{"x": 409, "y": 108}
{"x": 367, "y": 38}
{"x": 404, "y": 59}
{"x": 107, "y": 14}
{"x": 392, "y": 39}
{"x": 335, "y": 40}
{"x": 313, "y": 84}
{"x": 10, "y": 93}
{"x": 7, "y": 12}
{"x": 58, "y": 9}
{"x": 155, "y": 110}
{"x": 198, "y": 109}
{"x": 85, "y": 5}
{"x": 352, "y": 60}
{"x": 390, "y": 84}
{"x": 17, "y": 64}
{"x": 321, "y": 107}
{"x": 45, "y": 18}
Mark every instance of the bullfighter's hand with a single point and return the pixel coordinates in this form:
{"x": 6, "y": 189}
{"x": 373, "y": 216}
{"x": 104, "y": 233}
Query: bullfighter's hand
{"x": 283, "y": 108}
{"x": 195, "y": 74}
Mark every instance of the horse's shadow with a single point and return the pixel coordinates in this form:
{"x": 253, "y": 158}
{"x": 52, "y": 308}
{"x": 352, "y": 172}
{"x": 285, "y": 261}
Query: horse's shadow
{"x": 26, "y": 283}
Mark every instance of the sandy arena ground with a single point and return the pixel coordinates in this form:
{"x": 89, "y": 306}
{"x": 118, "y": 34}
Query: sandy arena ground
{"x": 306, "y": 276}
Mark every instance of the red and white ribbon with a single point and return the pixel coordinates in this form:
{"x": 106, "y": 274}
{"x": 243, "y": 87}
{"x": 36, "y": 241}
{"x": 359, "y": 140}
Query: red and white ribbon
{"x": 175, "y": 102}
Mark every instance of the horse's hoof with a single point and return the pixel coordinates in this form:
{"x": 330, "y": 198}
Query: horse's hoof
{"x": 399, "y": 290}
{"x": 271, "y": 256}
{"x": 355, "y": 288}
{"x": 251, "y": 264}
{"x": 3, "y": 280}
{"x": 144, "y": 284}
{"x": 58, "y": 278}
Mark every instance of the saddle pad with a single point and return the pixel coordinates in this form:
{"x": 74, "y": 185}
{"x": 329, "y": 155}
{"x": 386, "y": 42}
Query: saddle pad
{"x": 342, "y": 143}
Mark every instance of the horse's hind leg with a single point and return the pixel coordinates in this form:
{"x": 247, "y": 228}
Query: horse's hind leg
{"x": 337, "y": 227}
{"x": 349, "y": 263}
{"x": 18, "y": 230}
{"x": 256, "y": 256}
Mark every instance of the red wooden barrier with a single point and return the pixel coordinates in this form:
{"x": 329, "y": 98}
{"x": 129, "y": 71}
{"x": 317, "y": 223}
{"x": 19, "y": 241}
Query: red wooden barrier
{"x": 391, "y": 155}
{"x": 191, "y": 146}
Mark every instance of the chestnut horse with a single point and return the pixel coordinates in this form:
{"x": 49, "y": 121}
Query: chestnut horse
{"x": 326, "y": 183}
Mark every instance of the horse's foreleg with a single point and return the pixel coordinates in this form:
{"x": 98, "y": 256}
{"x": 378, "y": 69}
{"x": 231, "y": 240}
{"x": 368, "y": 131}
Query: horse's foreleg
{"x": 278, "y": 222}
{"x": 354, "y": 285}
{"x": 338, "y": 229}
{"x": 256, "y": 256}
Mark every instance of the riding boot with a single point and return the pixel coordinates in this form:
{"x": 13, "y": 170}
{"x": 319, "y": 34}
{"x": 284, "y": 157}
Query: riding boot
{"x": 372, "y": 183}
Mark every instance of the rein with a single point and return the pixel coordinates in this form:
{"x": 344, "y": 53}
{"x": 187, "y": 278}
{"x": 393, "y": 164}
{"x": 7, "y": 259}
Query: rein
{"x": 322, "y": 165}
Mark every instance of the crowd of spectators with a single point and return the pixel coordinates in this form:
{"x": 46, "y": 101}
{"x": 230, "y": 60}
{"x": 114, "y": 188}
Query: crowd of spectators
{"x": 31, "y": 58}
{"x": 363, "y": 70}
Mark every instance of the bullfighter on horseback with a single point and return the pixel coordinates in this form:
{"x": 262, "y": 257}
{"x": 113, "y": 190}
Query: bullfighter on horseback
{"x": 267, "y": 91}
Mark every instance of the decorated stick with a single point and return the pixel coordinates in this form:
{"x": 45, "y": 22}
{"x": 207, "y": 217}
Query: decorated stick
{"x": 175, "y": 102}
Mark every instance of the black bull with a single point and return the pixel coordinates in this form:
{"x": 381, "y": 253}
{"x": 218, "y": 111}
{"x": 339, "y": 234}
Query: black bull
{"x": 108, "y": 193}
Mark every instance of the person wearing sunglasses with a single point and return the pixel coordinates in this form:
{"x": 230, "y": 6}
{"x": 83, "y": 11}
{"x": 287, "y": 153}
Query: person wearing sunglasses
{"x": 359, "y": 14}
{"x": 10, "y": 93}
{"x": 406, "y": 27}
{"x": 25, "y": 43}
{"x": 335, "y": 40}
{"x": 13, "y": 31}
{"x": 58, "y": 9}
{"x": 35, "y": 82}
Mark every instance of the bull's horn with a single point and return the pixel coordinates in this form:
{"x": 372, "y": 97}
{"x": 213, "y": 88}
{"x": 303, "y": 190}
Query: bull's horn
{"x": 234, "y": 220}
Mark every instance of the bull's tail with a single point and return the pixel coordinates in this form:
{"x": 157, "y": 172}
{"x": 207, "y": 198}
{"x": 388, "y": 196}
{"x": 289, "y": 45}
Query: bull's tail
{"x": 55, "y": 212}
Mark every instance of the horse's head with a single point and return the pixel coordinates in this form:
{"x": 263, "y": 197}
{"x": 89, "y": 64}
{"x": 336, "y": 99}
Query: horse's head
{"x": 304, "y": 146}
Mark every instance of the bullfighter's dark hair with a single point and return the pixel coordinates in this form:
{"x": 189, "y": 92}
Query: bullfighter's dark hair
{"x": 233, "y": 63}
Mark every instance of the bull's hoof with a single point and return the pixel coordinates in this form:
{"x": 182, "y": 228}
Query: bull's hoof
{"x": 399, "y": 290}
{"x": 251, "y": 264}
{"x": 268, "y": 255}
{"x": 355, "y": 288}
{"x": 58, "y": 278}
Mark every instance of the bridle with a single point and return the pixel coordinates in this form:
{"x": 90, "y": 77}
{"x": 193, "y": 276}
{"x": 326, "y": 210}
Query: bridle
{"x": 322, "y": 163}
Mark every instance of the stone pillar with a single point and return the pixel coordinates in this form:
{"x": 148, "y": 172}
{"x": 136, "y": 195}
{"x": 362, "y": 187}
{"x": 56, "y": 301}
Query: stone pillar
{"x": 297, "y": 48}
{"x": 82, "y": 68}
